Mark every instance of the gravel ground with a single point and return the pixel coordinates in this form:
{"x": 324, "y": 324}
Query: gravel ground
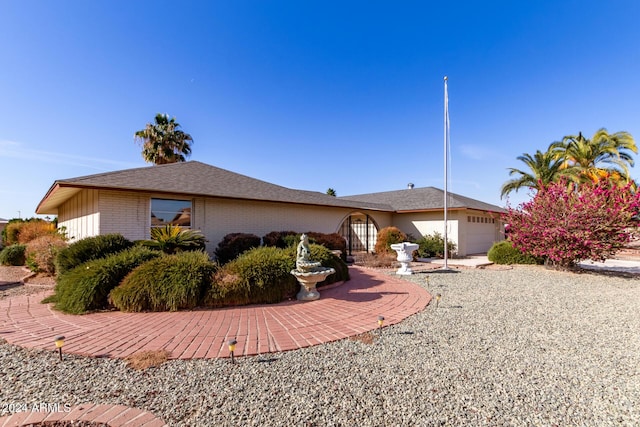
{"x": 505, "y": 347}
{"x": 20, "y": 281}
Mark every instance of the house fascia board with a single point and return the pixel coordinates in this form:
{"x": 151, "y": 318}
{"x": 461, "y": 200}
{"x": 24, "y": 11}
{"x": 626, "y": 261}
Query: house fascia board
{"x": 50, "y": 198}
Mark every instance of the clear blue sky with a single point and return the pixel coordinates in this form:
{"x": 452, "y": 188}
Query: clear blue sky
{"x": 310, "y": 94}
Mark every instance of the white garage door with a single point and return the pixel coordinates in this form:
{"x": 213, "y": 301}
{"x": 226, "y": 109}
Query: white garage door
{"x": 480, "y": 237}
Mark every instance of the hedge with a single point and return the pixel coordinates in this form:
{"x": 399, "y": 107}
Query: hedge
{"x": 87, "y": 286}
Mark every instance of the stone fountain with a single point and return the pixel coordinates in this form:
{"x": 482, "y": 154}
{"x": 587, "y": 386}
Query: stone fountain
{"x": 308, "y": 273}
{"x": 405, "y": 256}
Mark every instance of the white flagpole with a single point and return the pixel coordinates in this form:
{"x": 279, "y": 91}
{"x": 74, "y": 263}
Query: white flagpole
{"x": 446, "y": 162}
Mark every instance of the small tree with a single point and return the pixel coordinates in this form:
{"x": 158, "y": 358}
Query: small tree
{"x": 569, "y": 223}
{"x": 331, "y": 192}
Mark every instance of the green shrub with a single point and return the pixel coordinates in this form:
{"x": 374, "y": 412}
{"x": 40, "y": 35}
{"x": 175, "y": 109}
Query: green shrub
{"x": 171, "y": 239}
{"x": 168, "y": 283}
{"x": 286, "y": 239}
{"x": 332, "y": 241}
{"x": 433, "y": 246}
{"x": 387, "y": 237}
{"x": 87, "y": 286}
{"x": 260, "y": 275}
{"x": 234, "y": 244}
{"x": 281, "y": 239}
{"x": 41, "y": 252}
{"x": 13, "y": 255}
{"x": 88, "y": 249}
{"x": 504, "y": 253}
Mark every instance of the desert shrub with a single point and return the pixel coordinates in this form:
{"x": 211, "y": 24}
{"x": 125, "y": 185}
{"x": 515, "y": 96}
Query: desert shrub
{"x": 88, "y": 249}
{"x": 382, "y": 260}
{"x": 41, "y": 252}
{"x": 281, "y": 239}
{"x": 11, "y": 232}
{"x": 260, "y": 275}
{"x": 87, "y": 286}
{"x": 433, "y": 246}
{"x": 171, "y": 239}
{"x": 13, "y": 255}
{"x": 234, "y": 244}
{"x": 168, "y": 283}
{"x": 387, "y": 237}
{"x": 35, "y": 228}
{"x": 504, "y": 253}
{"x": 332, "y": 241}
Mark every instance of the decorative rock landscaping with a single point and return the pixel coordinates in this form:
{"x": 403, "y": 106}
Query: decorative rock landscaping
{"x": 522, "y": 346}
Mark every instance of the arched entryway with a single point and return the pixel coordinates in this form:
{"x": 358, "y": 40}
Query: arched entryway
{"x": 360, "y": 231}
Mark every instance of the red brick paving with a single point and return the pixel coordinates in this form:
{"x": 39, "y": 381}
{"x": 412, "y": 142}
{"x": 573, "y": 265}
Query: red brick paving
{"x": 112, "y": 415}
{"x": 341, "y": 312}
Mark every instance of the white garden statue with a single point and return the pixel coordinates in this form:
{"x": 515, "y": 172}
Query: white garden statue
{"x": 405, "y": 256}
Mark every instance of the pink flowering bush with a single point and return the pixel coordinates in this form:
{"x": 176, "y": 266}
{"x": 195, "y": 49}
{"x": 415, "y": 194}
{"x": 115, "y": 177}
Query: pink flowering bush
{"x": 568, "y": 224}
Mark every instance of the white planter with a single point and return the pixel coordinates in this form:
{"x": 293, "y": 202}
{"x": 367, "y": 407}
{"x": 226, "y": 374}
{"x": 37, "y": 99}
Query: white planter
{"x": 405, "y": 256}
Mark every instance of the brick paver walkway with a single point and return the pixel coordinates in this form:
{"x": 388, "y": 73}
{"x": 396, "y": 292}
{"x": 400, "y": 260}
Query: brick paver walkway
{"x": 341, "y": 312}
{"x": 111, "y": 415}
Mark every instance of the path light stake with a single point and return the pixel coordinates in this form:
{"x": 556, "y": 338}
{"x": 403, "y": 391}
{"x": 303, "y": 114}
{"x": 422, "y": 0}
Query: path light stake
{"x": 380, "y": 322}
{"x": 232, "y": 348}
{"x": 438, "y": 296}
{"x": 59, "y": 340}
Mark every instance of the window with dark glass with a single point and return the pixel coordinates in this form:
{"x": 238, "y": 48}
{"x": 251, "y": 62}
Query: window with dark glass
{"x": 170, "y": 212}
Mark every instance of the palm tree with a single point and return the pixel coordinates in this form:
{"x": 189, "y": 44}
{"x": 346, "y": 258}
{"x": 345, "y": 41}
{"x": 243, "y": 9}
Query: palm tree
{"x": 604, "y": 156}
{"x": 163, "y": 142}
{"x": 545, "y": 168}
{"x": 331, "y": 192}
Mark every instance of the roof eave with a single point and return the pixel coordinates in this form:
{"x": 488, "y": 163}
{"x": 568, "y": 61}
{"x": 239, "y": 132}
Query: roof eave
{"x": 55, "y": 197}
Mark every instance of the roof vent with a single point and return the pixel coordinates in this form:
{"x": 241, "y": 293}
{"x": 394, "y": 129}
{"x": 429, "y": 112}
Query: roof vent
{"x": 410, "y": 186}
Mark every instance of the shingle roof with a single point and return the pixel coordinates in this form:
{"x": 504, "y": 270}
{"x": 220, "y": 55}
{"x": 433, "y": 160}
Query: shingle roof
{"x": 425, "y": 198}
{"x": 193, "y": 179}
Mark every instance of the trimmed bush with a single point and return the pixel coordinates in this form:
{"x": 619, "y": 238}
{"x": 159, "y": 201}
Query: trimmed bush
{"x": 234, "y": 244}
{"x": 168, "y": 283}
{"x": 171, "y": 239}
{"x": 13, "y": 255}
{"x": 260, "y": 275}
{"x": 286, "y": 239}
{"x": 433, "y": 246}
{"x": 88, "y": 249}
{"x": 41, "y": 252}
{"x": 280, "y": 239}
{"x": 504, "y": 253}
{"x": 87, "y": 286}
{"x": 332, "y": 241}
{"x": 387, "y": 237}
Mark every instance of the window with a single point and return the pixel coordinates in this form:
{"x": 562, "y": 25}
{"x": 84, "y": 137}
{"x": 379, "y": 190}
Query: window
{"x": 170, "y": 212}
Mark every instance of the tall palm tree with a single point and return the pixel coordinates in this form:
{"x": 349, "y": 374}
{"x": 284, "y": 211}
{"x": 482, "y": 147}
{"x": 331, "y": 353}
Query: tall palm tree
{"x": 162, "y": 142}
{"x": 545, "y": 168}
{"x": 604, "y": 156}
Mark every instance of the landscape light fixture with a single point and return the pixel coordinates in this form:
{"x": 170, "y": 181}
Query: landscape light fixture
{"x": 380, "y": 321}
{"x": 59, "y": 340}
{"x": 232, "y": 347}
{"x": 438, "y": 296}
